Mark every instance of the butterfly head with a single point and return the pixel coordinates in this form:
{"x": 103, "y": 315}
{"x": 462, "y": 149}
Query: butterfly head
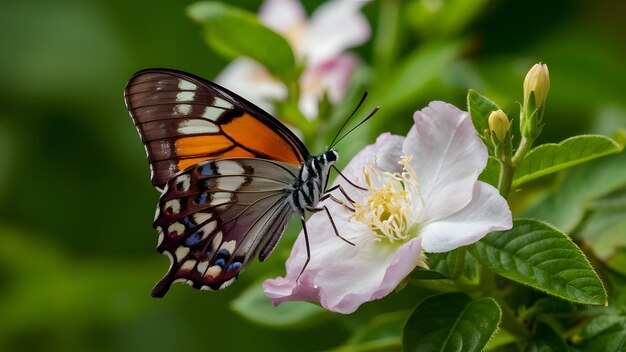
{"x": 331, "y": 156}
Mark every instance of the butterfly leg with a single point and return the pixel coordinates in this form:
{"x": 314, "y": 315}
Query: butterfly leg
{"x": 308, "y": 247}
{"x": 347, "y": 180}
{"x": 332, "y": 222}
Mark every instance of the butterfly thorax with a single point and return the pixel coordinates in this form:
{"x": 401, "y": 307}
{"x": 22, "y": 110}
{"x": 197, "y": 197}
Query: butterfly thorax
{"x": 309, "y": 186}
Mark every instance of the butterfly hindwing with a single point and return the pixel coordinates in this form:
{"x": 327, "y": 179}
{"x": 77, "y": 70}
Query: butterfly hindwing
{"x": 215, "y": 217}
{"x": 183, "y": 120}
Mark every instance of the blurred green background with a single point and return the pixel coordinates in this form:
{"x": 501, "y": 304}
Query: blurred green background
{"x": 77, "y": 258}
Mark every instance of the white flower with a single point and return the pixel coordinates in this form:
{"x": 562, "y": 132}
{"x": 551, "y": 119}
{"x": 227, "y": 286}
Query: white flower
{"x": 320, "y": 42}
{"x": 422, "y": 195}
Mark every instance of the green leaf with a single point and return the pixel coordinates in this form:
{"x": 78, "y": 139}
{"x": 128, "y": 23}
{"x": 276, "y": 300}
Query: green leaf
{"x": 604, "y": 333}
{"x": 617, "y": 261}
{"x": 449, "y": 263}
{"x": 546, "y": 340}
{"x": 255, "y": 306}
{"x": 453, "y": 264}
{"x": 234, "y": 32}
{"x": 480, "y": 107}
{"x": 491, "y": 173}
{"x": 413, "y": 75}
{"x": 566, "y": 206}
{"x": 451, "y": 322}
{"x": 549, "y": 158}
{"x": 538, "y": 255}
{"x": 383, "y": 333}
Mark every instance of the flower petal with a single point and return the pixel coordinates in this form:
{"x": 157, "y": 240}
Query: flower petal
{"x": 447, "y": 155}
{"x": 383, "y": 155}
{"x": 282, "y": 15}
{"x": 487, "y": 211}
{"x": 339, "y": 276}
{"x": 371, "y": 275}
{"x": 334, "y": 27}
{"x": 252, "y": 81}
{"x": 332, "y": 76}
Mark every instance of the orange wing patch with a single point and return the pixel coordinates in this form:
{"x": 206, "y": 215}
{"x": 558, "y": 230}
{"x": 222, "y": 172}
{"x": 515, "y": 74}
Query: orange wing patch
{"x": 229, "y": 153}
{"x": 252, "y": 134}
{"x": 202, "y": 145}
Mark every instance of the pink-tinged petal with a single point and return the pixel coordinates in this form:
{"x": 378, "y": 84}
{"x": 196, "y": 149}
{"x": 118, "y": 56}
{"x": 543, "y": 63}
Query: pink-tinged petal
{"x": 331, "y": 76}
{"x": 333, "y": 27}
{"x": 324, "y": 246}
{"x": 252, "y": 81}
{"x": 282, "y": 15}
{"x": 486, "y": 212}
{"x": 447, "y": 155}
{"x": 371, "y": 275}
{"x": 339, "y": 276}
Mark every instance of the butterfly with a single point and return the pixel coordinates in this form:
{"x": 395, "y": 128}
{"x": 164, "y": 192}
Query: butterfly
{"x": 230, "y": 175}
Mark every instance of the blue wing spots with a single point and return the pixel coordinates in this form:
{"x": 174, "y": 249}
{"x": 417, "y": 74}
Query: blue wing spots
{"x": 209, "y": 183}
{"x": 221, "y": 262}
{"x": 223, "y": 253}
{"x": 201, "y": 199}
{"x": 194, "y": 239}
{"x": 207, "y": 170}
{"x": 188, "y": 222}
{"x": 233, "y": 266}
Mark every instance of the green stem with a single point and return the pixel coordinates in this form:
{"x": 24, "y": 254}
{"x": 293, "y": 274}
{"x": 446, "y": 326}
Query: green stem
{"x": 507, "y": 170}
{"x": 509, "y": 320}
{"x": 522, "y": 149}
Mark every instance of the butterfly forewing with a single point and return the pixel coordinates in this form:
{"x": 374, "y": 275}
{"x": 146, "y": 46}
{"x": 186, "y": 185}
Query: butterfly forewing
{"x": 214, "y": 217}
{"x": 183, "y": 120}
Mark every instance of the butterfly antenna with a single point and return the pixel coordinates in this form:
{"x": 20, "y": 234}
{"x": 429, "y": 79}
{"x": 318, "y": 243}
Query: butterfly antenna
{"x": 359, "y": 124}
{"x": 348, "y": 119}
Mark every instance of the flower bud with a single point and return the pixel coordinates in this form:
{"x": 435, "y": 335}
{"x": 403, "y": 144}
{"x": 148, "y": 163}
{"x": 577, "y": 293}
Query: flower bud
{"x": 499, "y": 124}
{"x": 538, "y": 81}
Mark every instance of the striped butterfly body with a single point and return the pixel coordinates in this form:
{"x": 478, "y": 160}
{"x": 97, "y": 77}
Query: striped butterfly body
{"x": 230, "y": 175}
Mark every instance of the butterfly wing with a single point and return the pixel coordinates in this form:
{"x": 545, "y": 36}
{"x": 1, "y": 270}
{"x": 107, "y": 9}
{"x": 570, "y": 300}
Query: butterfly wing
{"x": 183, "y": 119}
{"x": 215, "y": 217}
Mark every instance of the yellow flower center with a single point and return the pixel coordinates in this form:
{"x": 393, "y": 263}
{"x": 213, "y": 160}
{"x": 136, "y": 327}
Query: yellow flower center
{"x": 393, "y": 200}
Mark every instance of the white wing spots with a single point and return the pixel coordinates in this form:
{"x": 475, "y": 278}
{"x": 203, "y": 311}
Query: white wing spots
{"x": 182, "y": 109}
{"x": 201, "y": 218}
{"x": 179, "y": 280}
{"x": 183, "y": 182}
{"x": 221, "y": 103}
{"x": 161, "y": 235}
{"x": 188, "y": 265}
{"x": 217, "y": 240}
{"x": 172, "y": 206}
{"x": 197, "y": 127}
{"x": 185, "y": 96}
{"x": 202, "y": 266}
{"x": 220, "y": 198}
{"x": 157, "y": 212}
{"x": 176, "y": 229}
{"x": 212, "y": 113}
{"x": 208, "y": 229}
{"x": 229, "y": 246}
{"x": 213, "y": 271}
{"x": 186, "y": 85}
{"x": 169, "y": 255}
{"x": 181, "y": 253}
{"x": 229, "y": 167}
{"x": 206, "y": 288}
{"x": 231, "y": 183}
{"x": 227, "y": 283}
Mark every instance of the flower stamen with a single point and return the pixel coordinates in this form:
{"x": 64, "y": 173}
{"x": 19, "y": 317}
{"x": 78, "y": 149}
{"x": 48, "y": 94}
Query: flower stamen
{"x": 390, "y": 208}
